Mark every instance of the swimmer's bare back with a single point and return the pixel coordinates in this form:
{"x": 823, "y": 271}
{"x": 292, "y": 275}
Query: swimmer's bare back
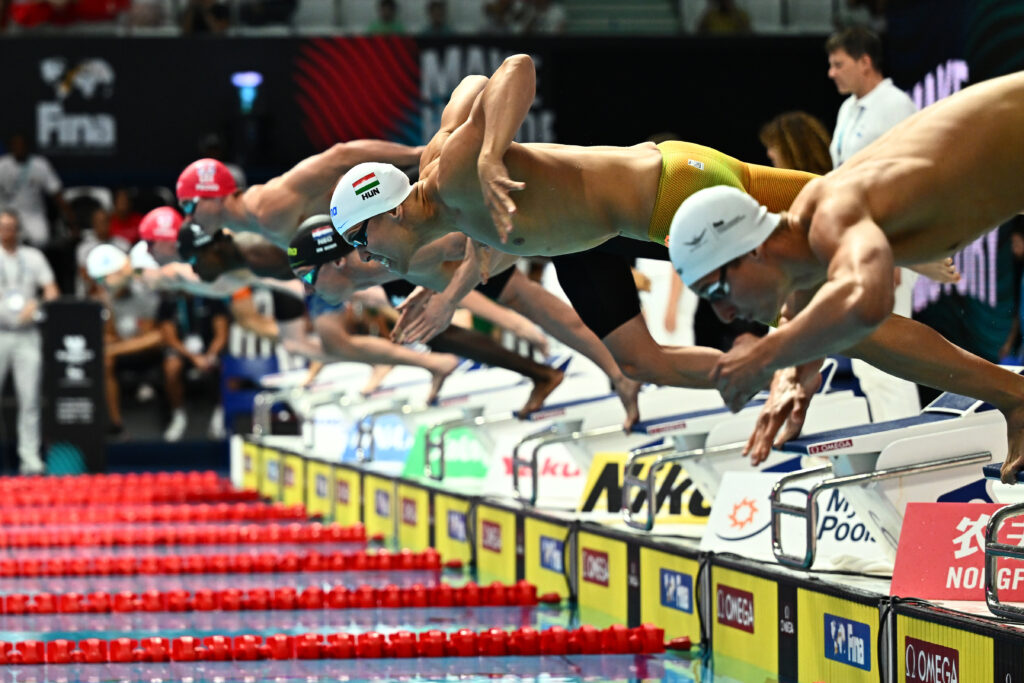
{"x": 939, "y": 179}
{"x": 575, "y": 197}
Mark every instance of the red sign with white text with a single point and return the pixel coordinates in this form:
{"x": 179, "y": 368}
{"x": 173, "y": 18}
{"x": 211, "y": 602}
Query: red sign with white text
{"x": 941, "y": 554}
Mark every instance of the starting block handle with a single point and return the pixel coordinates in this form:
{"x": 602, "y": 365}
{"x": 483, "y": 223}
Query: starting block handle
{"x": 262, "y": 404}
{"x": 994, "y": 471}
{"x": 810, "y": 514}
{"x": 672, "y": 456}
{"x": 643, "y": 518}
{"x": 558, "y": 436}
{"x": 993, "y": 551}
{"x": 807, "y": 512}
{"x": 365, "y": 446}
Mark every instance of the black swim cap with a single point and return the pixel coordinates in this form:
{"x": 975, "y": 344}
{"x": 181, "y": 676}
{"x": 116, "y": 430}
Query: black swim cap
{"x": 191, "y": 239}
{"x": 316, "y": 242}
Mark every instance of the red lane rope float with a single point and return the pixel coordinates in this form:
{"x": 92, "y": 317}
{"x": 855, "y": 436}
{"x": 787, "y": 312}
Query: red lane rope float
{"x": 496, "y": 594}
{"x": 494, "y": 642}
{"x": 137, "y": 495}
{"x": 149, "y": 513}
{"x": 187, "y": 534}
{"x": 311, "y": 561}
{"x": 114, "y": 479}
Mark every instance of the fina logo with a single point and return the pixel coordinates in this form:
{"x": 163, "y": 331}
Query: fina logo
{"x": 382, "y": 503}
{"x": 272, "y": 470}
{"x": 75, "y": 354}
{"x": 59, "y": 130}
{"x": 551, "y": 553}
{"x": 677, "y": 590}
{"x": 847, "y": 642}
{"x": 320, "y": 486}
{"x": 457, "y": 526}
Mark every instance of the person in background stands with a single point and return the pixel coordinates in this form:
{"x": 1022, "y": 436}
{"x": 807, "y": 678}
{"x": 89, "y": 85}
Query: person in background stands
{"x": 797, "y": 140}
{"x": 24, "y": 272}
{"x": 124, "y": 219}
{"x": 195, "y": 332}
{"x": 132, "y": 340}
{"x": 26, "y": 181}
{"x": 387, "y": 22}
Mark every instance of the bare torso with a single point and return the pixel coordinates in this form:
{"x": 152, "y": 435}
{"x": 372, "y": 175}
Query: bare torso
{"x": 575, "y": 197}
{"x": 941, "y": 178}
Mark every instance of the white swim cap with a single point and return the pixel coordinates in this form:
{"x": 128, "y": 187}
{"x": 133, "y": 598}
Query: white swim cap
{"x": 368, "y": 189}
{"x": 103, "y": 260}
{"x": 713, "y": 227}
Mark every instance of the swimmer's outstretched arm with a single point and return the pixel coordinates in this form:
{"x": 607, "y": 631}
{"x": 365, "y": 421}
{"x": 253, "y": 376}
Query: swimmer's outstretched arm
{"x": 501, "y": 110}
{"x": 280, "y": 205}
{"x": 856, "y": 298}
{"x": 425, "y": 320}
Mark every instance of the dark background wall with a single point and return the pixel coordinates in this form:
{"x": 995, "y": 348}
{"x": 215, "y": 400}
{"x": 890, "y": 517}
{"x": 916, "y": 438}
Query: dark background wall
{"x": 163, "y": 95}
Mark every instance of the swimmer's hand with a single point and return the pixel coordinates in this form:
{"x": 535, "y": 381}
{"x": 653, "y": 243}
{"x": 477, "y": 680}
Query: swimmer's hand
{"x": 741, "y": 373}
{"x": 942, "y": 271}
{"x": 424, "y": 315}
{"x": 496, "y": 186}
{"x": 785, "y": 409}
{"x": 1014, "y": 462}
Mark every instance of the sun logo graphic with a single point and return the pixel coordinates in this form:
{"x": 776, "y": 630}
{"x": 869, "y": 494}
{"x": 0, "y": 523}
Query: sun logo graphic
{"x": 742, "y": 514}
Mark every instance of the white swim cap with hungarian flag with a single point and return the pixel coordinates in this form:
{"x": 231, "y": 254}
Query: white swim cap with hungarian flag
{"x": 715, "y": 226}
{"x": 366, "y": 190}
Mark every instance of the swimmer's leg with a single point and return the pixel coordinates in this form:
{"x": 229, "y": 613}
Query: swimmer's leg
{"x": 483, "y": 349}
{"x": 913, "y": 351}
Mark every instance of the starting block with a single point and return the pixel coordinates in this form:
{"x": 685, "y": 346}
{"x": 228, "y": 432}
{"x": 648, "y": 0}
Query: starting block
{"x": 711, "y": 443}
{"x": 881, "y": 467}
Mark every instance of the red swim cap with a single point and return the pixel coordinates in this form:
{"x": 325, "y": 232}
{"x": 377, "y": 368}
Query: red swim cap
{"x": 160, "y": 225}
{"x": 205, "y": 178}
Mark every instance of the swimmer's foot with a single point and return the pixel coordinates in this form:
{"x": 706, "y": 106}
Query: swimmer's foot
{"x": 377, "y": 376}
{"x": 1014, "y": 462}
{"x": 542, "y": 387}
{"x": 628, "y": 390}
{"x": 440, "y": 374}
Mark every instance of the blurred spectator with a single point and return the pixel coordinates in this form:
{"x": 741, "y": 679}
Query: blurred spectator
{"x": 132, "y": 339}
{"x": 723, "y": 17}
{"x": 387, "y": 22}
{"x": 124, "y": 220}
{"x": 870, "y": 13}
{"x": 266, "y": 12}
{"x": 26, "y": 180}
{"x": 797, "y": 140}
{"x": 212, "y": 147}
{"x": 437, "y": 19}
{"x": 99, "y": 233}
{"x": 24, "y": 272}
{"x": 500, "y": 16}
{"x": 873, "y": 107}
{"x": 543, "y": 16}
{"x": 205, "y": 17}
{"x": 195, "y": 332}
{"x": 146, "y": 13}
